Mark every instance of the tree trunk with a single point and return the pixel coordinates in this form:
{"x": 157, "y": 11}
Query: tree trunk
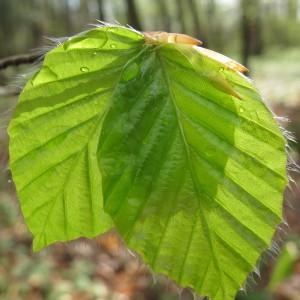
{"x": 101, "y": 12}
{"x": 212, "y": 27}
{"x": 132, "y": 15}
{"x": 68, "y": 17}
{"x": 251, "y": 29}
{"x": 180, "y": 15}
{"x": 246, "y": 33}
{"x": 292, "y": 9}
{"x": 196, "y": 20}
{"x": 164, "y": 15}
{"x": 83, "y": 12}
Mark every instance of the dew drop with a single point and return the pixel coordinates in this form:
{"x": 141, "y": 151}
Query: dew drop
{"x": 241, "y": 109}
{"x": 9, "y": 180}
{"x": 84, "y": 69}
{"x": 221, "y": 69}
{"x": 113, "y": 46}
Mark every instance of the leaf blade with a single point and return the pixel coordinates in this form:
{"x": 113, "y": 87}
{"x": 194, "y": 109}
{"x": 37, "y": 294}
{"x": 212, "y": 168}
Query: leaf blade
{"x": 199, "y": 176}
{"x": 55, "y": 131}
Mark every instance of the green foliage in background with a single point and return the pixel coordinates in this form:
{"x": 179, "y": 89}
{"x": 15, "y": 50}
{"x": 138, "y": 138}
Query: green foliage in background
{"x": 171, "y": 146}
{"x": 285, "y": 265}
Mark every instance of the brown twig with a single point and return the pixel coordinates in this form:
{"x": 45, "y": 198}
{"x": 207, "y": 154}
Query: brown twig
{"x": 17, "y": 60}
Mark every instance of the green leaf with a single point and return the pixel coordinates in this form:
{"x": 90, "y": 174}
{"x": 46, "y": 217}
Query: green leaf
{"x": 285, "y": 265}
{"x": 167, "y": 141}
{"x": 55, "y": 131}
{"x": 193, "y": 167}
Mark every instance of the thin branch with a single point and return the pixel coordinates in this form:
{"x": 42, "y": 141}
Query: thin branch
{"x": 17, "y": 60}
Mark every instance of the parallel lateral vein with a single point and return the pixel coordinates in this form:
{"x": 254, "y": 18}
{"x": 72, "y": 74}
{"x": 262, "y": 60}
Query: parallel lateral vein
{"x": 222, "y": 108}
{"x": 227, "y": 111}
{"x": 210, "y": 240}
{"x": 150, "y": 129}
{"x": 67, "y": 131}
{"x": 85, "y": 99}
{"x": 171, "y": 209}
{"x": 217, "y": 170}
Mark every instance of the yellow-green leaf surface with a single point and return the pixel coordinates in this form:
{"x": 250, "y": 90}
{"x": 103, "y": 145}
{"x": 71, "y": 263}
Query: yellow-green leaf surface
{"x": 171, "y": 140}
{"x": 55, "y": 131}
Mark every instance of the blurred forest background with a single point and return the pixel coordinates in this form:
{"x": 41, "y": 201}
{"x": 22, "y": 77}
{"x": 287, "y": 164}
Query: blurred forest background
{"x": 262, "y": 34}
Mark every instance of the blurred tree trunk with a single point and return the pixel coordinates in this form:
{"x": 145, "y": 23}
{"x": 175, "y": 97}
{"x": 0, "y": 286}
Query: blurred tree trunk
{"x": 211, "y": 7}
{"x": 246, "y": 32}
{"x": 38, "y": 27}
{"x": 83, "y": 12}
{"x": 251, "y": 26}
{"x": 164, "y": 15}
{"x": 67, "y": 17}
{"x": 292, "y": 9}
{"x": 211, "y": 23}
{"x": 197, "y": 31}
{"x": 6, "y": 26}
{"x": 101, "y": 11}
{"x": 180, "y": 15}
{"x": 132, "y": 15}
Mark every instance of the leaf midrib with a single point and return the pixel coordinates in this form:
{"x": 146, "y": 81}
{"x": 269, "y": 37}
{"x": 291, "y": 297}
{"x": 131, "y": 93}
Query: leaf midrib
{"x": 193, "y": 175}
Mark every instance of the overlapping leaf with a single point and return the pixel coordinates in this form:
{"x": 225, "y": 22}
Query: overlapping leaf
{"x": 55, "y": 131}
{"x": 190, "y": 162}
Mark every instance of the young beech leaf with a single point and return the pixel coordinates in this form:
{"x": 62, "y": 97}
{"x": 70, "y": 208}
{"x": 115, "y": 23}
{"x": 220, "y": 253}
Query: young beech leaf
{"x": 54, "y": 134}
{"x": 167, "y": 142}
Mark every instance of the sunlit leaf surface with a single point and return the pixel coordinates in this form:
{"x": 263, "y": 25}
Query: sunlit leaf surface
{"x": 171, "y": 140}
{"x": 55, "y": 133}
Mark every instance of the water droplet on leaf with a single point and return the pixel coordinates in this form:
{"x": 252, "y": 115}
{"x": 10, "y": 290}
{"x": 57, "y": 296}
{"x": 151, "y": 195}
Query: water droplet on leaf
{"x": 113, "y": 46}
{"x": 84, "y": 69}
{"x": 242, "y": 109}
